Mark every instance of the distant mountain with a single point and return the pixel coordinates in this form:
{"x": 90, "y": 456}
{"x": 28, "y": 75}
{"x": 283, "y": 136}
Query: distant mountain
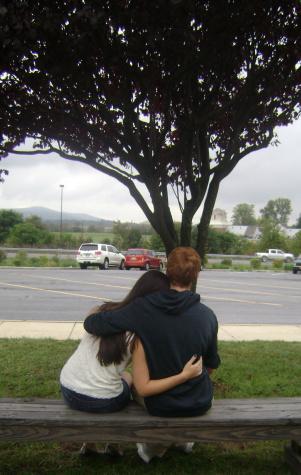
{"x": 47, "y": 214}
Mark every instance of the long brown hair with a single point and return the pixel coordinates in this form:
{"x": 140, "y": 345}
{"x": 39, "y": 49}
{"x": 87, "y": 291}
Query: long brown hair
{"x": 113, "y": 348}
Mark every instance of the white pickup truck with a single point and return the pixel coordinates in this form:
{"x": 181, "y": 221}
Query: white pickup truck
{"x": 273, "y": 254}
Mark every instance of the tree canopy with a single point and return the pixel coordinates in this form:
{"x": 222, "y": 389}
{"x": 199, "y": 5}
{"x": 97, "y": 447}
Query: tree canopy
{"x": 271, "y": 236}
{"x": 277, "y": 210}
{"x": 170, "y": 95}
{"x": 244, "y": 214}
{"x": 298, "y": 222}
{"x": 8, "y": 219}
{"x": 125, "y": 235}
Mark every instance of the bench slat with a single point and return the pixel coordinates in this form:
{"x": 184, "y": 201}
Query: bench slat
{"x": 41, "y": 433}
{"x": 232, "y": 419}
{"x": 276, "y": 411}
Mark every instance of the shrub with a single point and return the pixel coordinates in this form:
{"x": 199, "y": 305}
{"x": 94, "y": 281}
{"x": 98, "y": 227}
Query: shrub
{"x": 218, "y": 265}
{"x": 43, "y": 261}
{"x": 255, "y": 263}
{"x": 54, "y": 261}
{"x": 20, "y": 259}
{"x": 278, "y": 264}
{"x": 68, "y": 263}
{"x": 2, "y": 256}
{"x": 240, "y": 267}
{"x": 288, "y": 267}
{"x": 39, "y": 261}
{"x": 34, "y": 261}
{"x": 226, "y": 262}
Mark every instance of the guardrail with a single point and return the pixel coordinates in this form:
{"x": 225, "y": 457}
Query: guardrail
{"x": 33, "y": 251}
{"x": 12, "y": 251}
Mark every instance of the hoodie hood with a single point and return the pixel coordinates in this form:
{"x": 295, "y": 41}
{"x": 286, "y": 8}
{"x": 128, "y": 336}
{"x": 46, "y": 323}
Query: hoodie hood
{"x": 172, "y": 301}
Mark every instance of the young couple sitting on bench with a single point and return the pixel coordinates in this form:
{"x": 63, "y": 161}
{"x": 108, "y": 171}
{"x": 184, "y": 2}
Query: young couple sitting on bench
{"x": 171, "y": 339}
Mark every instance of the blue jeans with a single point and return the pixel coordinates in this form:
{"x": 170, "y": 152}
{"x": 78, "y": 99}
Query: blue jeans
{"x": 81, "y": 402}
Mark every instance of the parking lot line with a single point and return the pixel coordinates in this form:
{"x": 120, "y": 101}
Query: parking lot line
{"x": 249, "y": 302}
{"x": 256, "y": 292}
{"x": 256, "y": 284}
{"x": 80, "y": 282}
{"x": 104, "y": 299}
{"x": 39, "y": 289}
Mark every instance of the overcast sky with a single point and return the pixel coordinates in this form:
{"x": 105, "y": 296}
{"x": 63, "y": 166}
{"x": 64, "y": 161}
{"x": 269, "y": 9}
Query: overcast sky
{"x": 35, "y": 181}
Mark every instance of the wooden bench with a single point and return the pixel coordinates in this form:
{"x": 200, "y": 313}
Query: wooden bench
{"x": 235, "y": 420}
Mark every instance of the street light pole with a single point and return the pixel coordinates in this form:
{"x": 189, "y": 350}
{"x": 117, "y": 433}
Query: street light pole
{"x": 61, "y": 222}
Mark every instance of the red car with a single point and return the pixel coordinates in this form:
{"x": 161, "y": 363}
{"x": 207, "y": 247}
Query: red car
{"x": 142, "y": 258}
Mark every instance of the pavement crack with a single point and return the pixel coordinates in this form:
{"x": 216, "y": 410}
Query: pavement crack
{"x": 71, "y": 331}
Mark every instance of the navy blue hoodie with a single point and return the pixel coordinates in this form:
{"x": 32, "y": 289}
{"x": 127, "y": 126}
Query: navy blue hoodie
{"x": 172, "y": 326}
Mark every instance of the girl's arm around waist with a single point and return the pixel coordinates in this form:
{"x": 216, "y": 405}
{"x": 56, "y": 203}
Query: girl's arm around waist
{"x": 149, "y": 387}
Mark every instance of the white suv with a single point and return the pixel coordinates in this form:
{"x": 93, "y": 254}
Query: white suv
{"x": 100, "y": 255}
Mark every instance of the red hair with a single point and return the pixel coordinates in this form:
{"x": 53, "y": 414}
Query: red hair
{"x": 183, "y": 266}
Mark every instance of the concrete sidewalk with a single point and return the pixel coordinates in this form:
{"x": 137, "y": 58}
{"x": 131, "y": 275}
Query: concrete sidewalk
{"x": 74, "y": 330}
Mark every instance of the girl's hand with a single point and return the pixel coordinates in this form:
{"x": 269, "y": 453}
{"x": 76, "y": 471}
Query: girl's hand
{"x": 193, "y": 368}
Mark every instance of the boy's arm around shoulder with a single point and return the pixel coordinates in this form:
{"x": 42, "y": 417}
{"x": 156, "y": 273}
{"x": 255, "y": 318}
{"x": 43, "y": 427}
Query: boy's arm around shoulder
{"x": 112, "y": 321}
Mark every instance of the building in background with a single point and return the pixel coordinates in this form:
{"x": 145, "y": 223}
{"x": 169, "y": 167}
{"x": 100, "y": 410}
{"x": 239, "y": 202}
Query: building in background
{"x": 219, "y": 218}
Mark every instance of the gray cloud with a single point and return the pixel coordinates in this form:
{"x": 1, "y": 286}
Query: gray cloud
{"x": 34, "y": 181}
{"x": 268, "y": 174}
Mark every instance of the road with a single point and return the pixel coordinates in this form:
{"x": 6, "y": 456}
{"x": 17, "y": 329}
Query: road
{"x": 68, "y": 294}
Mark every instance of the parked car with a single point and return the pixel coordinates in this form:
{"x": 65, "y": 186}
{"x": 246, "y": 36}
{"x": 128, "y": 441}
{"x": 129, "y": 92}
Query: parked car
{"x": 275, "y": 254}
{"x": 297, "y": 265}
{"x": 143, "y": 259}
{"x": 100, "y": 255}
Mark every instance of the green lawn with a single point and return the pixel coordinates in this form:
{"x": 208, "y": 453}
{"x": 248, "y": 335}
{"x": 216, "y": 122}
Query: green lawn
{"x": 93, "y": 236}
{"x": 253, "y": 369}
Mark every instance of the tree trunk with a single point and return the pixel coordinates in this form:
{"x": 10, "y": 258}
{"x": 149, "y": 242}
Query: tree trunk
{"x": 203, "y": 226}
{"x": 163, "y": 220}
{"x": 186, "y": 228}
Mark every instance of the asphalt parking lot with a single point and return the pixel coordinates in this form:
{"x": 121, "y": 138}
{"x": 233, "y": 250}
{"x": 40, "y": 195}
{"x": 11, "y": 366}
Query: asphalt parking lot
{"x": 68, "y": 294}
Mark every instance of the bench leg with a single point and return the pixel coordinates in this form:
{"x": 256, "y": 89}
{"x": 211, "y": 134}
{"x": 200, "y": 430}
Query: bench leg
{"x": 292, "y": 454}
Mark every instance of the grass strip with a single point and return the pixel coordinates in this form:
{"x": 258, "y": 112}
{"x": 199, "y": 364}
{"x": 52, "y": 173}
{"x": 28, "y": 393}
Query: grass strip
{"x": 250, "y": 369}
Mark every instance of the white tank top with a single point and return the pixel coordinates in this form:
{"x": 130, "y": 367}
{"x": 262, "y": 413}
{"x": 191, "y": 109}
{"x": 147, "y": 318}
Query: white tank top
{"x": 84, "y": 374}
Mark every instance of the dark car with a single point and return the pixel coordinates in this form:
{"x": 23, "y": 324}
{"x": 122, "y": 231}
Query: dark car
{"x": 143, "y": 259}
{"x": 297, "y": 266}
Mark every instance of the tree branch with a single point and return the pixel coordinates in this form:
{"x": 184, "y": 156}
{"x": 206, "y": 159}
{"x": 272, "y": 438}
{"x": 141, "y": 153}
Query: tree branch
{"x": 135, "y": 193}
{"x": 177, "y": 196}
{"x": 27, "y": 152}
